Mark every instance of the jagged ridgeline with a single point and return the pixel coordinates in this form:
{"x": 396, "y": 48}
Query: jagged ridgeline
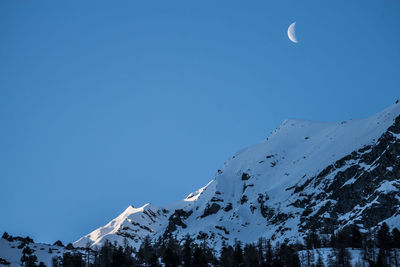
{"x": 306, "y": 177}
{"x": 304, "y": 195}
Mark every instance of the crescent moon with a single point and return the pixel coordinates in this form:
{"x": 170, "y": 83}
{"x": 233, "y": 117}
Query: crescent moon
{"x": 291, "y": 32}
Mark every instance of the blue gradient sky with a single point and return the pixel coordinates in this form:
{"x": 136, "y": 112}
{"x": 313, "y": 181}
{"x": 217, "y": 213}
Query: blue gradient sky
{"x": 106, "y": 104}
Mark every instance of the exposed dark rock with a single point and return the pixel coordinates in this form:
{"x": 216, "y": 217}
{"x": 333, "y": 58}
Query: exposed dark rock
{"x": 228, "y": 207}
{"x": 129, "y": 236}
{"x": 4, "y": 262}
{"x": 245, "y": 186}
{"x": 280, "y": 217}
{"x": 7, "y": 237}
{"x": 144, "y": 227}
{"x": 306, "y": 212}
{"x": 266, "y": 211}
{"x": 209, "y": 210}
{"x": 176, "y": 219}
{"x": 301, "y": 202}
{"x": 202, "y": 236}
{"x": 222, "y": 229}
{"x": 245, "y": 176}
{"x": 252, "y": 208}
{"x": 243, "y": 199}
{"x": 215, "y": 199}
{"x": 301, "y": 187}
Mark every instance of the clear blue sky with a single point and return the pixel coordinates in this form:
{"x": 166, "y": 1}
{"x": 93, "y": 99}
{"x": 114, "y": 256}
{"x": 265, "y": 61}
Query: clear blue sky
{"x": 107, "y": 104}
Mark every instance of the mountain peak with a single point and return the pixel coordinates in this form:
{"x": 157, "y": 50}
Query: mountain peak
{"x": 305, "y": 175}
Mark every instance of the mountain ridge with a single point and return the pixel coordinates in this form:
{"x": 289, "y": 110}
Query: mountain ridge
{"x": 270, "y": 189}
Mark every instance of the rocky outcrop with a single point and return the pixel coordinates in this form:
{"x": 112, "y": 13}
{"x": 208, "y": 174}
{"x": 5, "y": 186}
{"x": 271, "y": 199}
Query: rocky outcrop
{"x": 362, "y": 187}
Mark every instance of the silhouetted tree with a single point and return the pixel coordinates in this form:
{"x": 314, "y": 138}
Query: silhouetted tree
{"x": 383, "y": 237}
{"x": 227, "y": 256}
{"x": 343, "y": 257}
{"x": 250, "y": 257}
{"x": 72, "y": 260}
{"x": 384, "y": 243}
{"x": 356, "y": 237}
{"x": 396, "y": 238}
{"x": 199, "y": 258}
{"x": 312, "y": 240}
{"x": 146, "y": 252}
{"x": 170, "y": 258}
{"x": 288, "y": 256}
{"x": 269, "y": 254}
{"x": 320, "y": 263}
{"x": 187, "y": 251}
{"x": 238, "y": 253}
{"x": 260, "y": 251}
{"x": 28, "y": 258}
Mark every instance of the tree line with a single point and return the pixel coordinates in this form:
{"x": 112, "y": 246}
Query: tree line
{"x": 378, "y": 249}
{"x": 170, "y": 252}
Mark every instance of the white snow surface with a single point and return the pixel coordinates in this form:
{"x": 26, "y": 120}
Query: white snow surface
{"x": 294, "y": 152}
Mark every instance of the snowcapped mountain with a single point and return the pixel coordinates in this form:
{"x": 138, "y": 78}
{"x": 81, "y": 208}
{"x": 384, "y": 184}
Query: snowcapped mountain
{"x": 306, "y": 176}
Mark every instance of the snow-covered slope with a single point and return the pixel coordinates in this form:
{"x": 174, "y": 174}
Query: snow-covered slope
{"x": 133, "y": 224}
{"x": 305, "y": 175}
{"x": 11, "y": 252}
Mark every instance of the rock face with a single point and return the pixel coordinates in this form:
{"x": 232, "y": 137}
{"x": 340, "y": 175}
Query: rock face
{"x": 306, "y": 176}
{"x": 361, "y": 188}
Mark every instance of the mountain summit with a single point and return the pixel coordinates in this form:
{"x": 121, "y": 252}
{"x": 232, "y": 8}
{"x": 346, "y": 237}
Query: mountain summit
{"x": 306, "y": 176}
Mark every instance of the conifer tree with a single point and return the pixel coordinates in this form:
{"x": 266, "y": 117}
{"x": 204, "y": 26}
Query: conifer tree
{"x": 320, "y": 263}
{"x": 383, "y": 237}
{"x": 384, "y": 241}
{"x": 250, "y": 255}
{"x": 146, "y": 252}
{"x": 199, "y": 258}
{"x": 28, "y": 258}
{"x": 238, "y": 253}
{"x": 260, "y": 250}
{"x": 187, "y": 251}
{"x": 396, "y": 238}
{"x": 269, "y": 255}
{"x": 170, "y": 258}
{"x": 72, "y": 260}
{"x": 227, "y": 255}
{"x": 356, "y": 237}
